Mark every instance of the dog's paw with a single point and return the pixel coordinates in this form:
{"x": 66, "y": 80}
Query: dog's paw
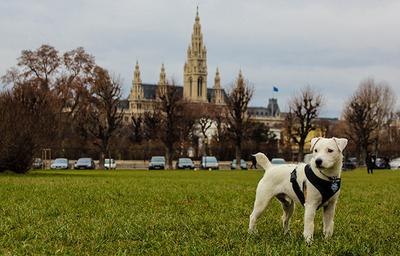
{"x": 327, "y": 235}
{"x": 309, "y": 240}
{"x": 252, "y": 231}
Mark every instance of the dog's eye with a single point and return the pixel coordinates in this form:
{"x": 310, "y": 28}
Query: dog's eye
{"x": 315, "y": 150}
{"x": 330, "y": 150}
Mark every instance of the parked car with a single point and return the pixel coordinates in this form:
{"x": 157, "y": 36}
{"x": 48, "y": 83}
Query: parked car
{"x": 109, "y": 164}
{"x": 243, "y": 164}
{"x": 278, "y": 161}
{"x": 395, "y": 163}
{"x": 157, "y": 162}
{"x": 37, "y": 163}
{"x": 59, "y": 164}
{"x": 209, "y": 162}
{"x": 382, "y": 163}
{"x": 84, "y": 163}
{"x": 349, "y": 164}
{"x": 184, "y": 163}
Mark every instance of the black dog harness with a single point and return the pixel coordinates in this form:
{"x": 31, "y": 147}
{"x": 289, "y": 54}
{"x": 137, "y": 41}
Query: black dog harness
{"x": 326, "y": 188}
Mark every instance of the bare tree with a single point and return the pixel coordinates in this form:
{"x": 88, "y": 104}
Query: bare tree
{"x": 40, "y": 65}
{"x": 304, "y": 108}
{"x": 171, "y": 109}
{"x": 204, "y": 121}
{"x": 237, "y": 116}
{"x": 74, "y": 82}
{"x": 67, "y": 77}
{"x": 137, "y": 128}
{"x": 367, "y": 111}
{"x": 102, "y": 117}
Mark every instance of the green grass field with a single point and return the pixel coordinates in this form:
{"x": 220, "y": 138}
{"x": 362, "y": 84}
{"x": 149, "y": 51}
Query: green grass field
{"x": 184, "y": 213}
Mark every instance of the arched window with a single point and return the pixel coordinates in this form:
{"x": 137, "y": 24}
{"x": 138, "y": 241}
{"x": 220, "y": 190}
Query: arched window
{"x": 200, "y": 87}
{"x": 190, "y": 86}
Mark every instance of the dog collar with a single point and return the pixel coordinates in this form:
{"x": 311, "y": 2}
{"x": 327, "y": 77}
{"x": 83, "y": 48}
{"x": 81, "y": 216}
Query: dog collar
{"x": 327, "y": 189}
{"x": 333, "y": 178}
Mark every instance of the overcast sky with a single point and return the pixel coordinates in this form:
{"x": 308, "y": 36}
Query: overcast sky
{"x": 329, "y": 45}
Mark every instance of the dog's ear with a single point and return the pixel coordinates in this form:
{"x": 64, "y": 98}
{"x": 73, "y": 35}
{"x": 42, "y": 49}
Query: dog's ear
{"x": 341, "y": 143}
{"x": 313, "y": 142}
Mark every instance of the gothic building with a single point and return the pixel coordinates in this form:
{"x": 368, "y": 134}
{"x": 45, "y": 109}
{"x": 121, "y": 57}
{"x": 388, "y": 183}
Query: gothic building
{"x": 143, "y": 96}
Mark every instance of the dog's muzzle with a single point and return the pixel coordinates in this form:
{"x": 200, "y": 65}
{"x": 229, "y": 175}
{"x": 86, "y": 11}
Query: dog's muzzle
{"x": 318, "y": 162}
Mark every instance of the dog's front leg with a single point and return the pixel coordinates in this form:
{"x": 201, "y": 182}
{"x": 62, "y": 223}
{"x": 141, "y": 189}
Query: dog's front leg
{"x": 329, "y": 213}
{"x": 309, "y": 214}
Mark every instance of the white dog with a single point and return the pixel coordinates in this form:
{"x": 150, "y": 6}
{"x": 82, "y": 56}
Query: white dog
{"x": 315, "y": 185}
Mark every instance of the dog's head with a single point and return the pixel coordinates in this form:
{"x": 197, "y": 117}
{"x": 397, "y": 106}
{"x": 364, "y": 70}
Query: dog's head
{"x": 327, "y": 152}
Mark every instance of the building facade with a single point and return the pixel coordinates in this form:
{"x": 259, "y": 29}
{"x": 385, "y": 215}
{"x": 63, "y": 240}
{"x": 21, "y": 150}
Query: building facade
{"x": 143, "y": 96}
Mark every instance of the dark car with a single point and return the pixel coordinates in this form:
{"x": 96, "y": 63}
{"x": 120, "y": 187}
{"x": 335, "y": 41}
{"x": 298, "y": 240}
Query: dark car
{"x": 350, "y": 163}
{"x": 382, "y": 163}
{"x": 84, "y": 163}
{"x": 37, "y": 163}
{"x": 243, "y": 164}
{"x": 209, "y": 162}
{"x": 157, "y": 162}
{"x": 184, "y": 163}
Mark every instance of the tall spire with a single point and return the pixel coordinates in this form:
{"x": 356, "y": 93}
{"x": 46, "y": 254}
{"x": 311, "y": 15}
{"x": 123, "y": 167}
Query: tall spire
{"x": 195, "y": 68}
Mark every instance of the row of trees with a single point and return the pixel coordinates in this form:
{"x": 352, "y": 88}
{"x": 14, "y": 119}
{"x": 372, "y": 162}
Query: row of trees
{"x": 55, "y": 100}
{"x": 369, "y": 120}
{"x": 69, "y": 104}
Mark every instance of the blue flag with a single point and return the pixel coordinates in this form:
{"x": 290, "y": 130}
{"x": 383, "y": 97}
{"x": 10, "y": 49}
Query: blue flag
{"x": 275, "y": 89}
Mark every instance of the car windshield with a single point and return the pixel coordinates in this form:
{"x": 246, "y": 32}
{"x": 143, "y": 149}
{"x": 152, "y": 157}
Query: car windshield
{"x": 185, "y": 160}
{"x": 158, "y": 159}
{"x": 107, "y": 161}
{"x": 209, "y": 159}
{"x": 84, "y": 160}
{"x": 278, "y": 161}
{"x": 60, "y": 161}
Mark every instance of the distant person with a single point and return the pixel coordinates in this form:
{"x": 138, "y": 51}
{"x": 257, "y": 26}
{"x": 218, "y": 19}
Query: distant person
{"x": 253, "y": 162}
{"x": 370, "y": 162}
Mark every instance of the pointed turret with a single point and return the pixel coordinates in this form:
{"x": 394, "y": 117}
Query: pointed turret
{"x": 162, "y": 83}
{"x": 136, "y": 90}
{"x": 217, "y": 80}
{"x": 217, "y": 98}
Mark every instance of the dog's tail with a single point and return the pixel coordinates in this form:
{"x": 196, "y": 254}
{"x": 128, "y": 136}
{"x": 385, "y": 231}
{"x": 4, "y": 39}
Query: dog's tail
{"x": 263, "y": 160}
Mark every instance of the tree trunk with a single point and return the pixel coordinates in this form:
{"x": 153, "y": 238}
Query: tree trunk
{"x": 300, "y": 156}
{"x": 103, "y": 153}
{"x": 238, "y": 150}
{"x": 169, "y": 157}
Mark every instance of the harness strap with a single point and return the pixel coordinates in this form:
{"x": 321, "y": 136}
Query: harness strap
{"x": 296, "y": 187}
{"x": 326, "y": 188}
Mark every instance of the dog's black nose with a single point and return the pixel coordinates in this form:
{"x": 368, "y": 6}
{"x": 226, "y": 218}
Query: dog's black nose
{"x": 318, "y": 162}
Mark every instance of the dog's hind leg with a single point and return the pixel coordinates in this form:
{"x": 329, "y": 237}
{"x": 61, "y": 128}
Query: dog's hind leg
{"x": 263, "y": 197}
{"x": 288, "y": 209}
